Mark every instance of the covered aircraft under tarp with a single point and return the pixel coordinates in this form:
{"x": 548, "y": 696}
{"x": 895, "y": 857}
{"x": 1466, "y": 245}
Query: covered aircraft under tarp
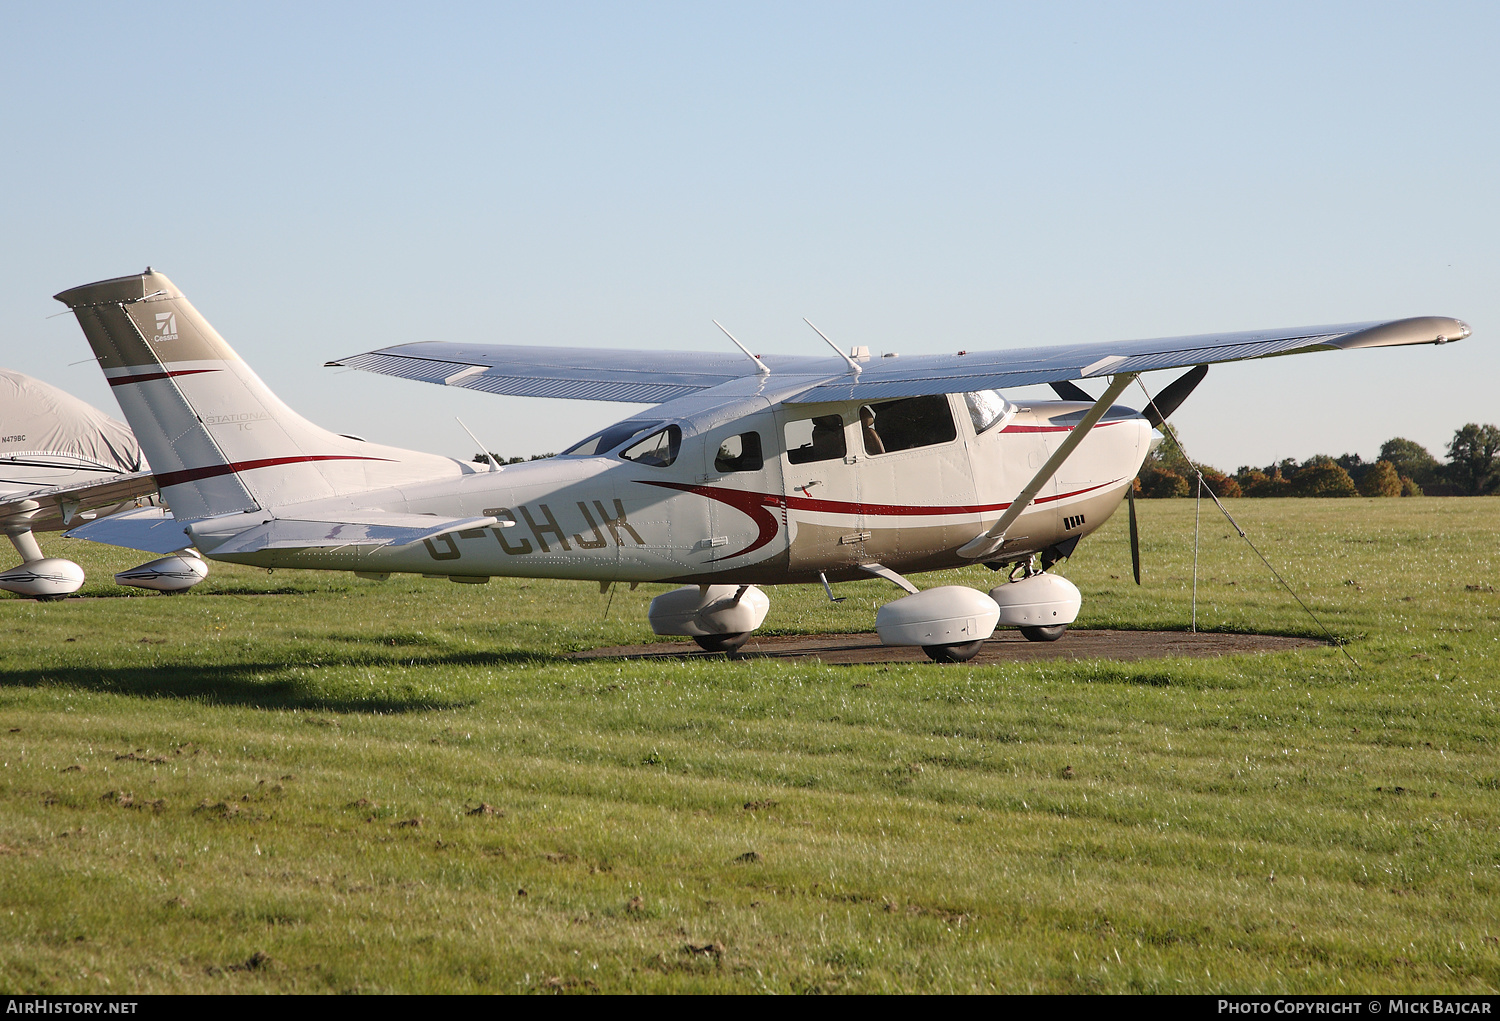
{"x": 62, "y": 462}
{"x": 51, "y": 438}
{"x": 62, "y": 459}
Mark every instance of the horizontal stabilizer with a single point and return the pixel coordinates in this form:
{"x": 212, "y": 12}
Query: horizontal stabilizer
{"x": 378, "y": 529}
{"x": 152, "y": 529}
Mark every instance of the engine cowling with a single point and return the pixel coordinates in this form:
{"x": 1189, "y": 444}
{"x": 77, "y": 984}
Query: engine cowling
{"x": 946, "y": 615}
{"x": 696, "y": 611}
{"x": 1042, "y": 600}
{"x": 176, "y": 573}
{"x": 48, "y": 578}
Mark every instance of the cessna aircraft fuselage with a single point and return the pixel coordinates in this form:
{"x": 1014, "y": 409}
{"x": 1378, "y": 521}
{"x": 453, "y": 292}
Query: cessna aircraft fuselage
{"x": 745, "y": 472}
{"x": 744, "y": 502}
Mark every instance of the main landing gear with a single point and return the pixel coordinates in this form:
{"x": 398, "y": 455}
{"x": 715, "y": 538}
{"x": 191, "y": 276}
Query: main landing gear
{"x": 48, "y": 578}
{"x": 40, "y": 577}
{"x": 961, "y": 652}
{"x": 950, "y": 623}
{"x": 719, "y": 618}
{"x": 722, "y": 643}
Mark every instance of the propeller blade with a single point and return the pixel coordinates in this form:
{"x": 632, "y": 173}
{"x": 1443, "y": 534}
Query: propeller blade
{"x": 1135, "y": 536}
{"x": 1067, "y": 391}
{"x": 1172, "y": 395}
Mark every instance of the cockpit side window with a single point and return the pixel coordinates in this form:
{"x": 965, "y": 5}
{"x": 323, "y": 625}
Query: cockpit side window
{"x": 987, "y": 409}
{"x": 904, "y": 424}
{"x": 657, "y": 450}
{"x": 740, "y": 454}
{"x": 605, "y": 440}
{"x": 815, "y": 439}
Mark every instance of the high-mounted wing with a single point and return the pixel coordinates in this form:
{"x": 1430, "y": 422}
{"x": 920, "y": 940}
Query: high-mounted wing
{"x": 936, "y": 374}
{"x": 48, "y": 508}
{"x": 590, "y": 374}
{"x": 657, "y": 376}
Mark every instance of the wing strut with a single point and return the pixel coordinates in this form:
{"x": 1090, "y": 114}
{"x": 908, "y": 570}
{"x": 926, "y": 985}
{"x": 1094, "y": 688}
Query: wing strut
{"x": 983, "y": 545}
{"x": 881, "y": 571}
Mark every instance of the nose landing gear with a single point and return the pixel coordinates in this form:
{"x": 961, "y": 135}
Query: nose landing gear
{"x": 1040, "y": 605}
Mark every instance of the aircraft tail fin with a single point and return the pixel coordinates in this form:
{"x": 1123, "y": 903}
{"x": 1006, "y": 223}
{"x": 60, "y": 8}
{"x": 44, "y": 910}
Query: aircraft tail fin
{"x": 219, "y": 441}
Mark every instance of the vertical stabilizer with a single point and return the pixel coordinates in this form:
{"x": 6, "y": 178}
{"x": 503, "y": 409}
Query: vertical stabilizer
{"x": 218, "y": 440}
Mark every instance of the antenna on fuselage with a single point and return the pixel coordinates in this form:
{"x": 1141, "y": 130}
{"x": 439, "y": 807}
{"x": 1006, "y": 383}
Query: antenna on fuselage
{"x": 853, "y": 365}
{"x": 760, "y": 366}
{"x": 489, "y": 455}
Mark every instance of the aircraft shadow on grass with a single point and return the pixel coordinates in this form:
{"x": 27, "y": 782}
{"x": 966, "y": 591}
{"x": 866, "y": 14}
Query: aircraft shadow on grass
{"x": 256, "y": 685}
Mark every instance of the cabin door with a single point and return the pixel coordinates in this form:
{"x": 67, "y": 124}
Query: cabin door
{"x": 825, "y": 515}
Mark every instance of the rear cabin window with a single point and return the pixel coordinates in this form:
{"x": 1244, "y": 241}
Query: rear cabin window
{"x": 902, "y": 425}
{"x": 815, "y": 439}
{"x": 657, "y": 450}
{"x": 740, "y": 454}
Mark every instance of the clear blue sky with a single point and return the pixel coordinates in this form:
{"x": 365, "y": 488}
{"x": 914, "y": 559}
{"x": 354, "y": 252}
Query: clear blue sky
{"x": 323, "y": 179}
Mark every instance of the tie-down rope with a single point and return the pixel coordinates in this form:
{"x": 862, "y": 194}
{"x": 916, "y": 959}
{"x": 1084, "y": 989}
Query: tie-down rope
{"x": 1202, "y": 486}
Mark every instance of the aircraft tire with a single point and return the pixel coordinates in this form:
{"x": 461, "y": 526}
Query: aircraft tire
{"x": 1043, "y": 634}
{"x": 959, "y": 653}
{"x": 722, "y": 643}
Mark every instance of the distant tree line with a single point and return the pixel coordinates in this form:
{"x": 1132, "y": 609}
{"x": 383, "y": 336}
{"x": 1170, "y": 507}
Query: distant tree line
{"x": 499, "y": 459}
{"x": 1403, "y": 468}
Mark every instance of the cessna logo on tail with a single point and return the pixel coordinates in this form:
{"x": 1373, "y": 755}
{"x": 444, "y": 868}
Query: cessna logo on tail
{"x": 166, "y": 326}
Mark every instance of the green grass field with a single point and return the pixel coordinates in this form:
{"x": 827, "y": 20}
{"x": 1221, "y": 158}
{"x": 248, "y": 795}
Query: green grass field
{"x": 306, "y": 782}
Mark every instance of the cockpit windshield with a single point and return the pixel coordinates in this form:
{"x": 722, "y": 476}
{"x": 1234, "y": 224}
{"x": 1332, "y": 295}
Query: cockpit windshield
{"x": 605, "y": 440}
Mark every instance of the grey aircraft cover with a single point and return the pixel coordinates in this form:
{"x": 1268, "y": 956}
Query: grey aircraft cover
{"x": 60, "y": 456}
{"x": 45, "y": 433}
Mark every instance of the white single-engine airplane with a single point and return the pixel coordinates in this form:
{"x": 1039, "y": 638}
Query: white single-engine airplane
{"x": 748, "y": 471}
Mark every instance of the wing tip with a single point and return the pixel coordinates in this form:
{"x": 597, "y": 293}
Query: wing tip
{"x": 1403, "y": 332}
